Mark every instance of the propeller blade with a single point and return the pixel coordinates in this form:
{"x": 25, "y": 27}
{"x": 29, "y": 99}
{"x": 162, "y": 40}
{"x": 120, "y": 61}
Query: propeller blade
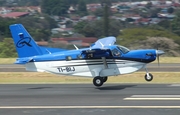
{"x": 158, "y": 59}
{"x": 158, "y": 53}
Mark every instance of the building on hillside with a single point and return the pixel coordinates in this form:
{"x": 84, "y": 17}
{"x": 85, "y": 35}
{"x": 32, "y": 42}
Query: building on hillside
{"x": 93, "y": 7}
{"x": 4, "y": 10}
{"x": 42, "y": 43}
{"x": 14, "y": 15}
{"x": 84, "y": 42}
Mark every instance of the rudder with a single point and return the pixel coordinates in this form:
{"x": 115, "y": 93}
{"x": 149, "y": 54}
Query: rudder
{"x": 24, "y": 43}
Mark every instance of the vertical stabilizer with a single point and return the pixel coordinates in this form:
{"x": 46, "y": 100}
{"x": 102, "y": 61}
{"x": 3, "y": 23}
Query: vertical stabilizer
{"x": 24, "y": 43}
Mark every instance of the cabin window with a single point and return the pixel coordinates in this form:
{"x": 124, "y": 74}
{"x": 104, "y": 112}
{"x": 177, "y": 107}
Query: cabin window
{"x": 68, "y": 58}
{"x": 116, "y": 52}
{"x": 123, "y": 49}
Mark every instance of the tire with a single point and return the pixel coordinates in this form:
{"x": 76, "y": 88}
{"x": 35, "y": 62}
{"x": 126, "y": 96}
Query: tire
{"x": 105, "y": 79}
{"x": 98, "y": 81}
{"x": 148, "y": 78}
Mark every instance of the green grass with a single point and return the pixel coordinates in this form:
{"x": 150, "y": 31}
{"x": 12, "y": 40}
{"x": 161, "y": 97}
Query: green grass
{"x": 34, "y": 77}
{"x": 7, "y": 60}
{"x": 162, "y": 60}
{"x": 168, "y": 60}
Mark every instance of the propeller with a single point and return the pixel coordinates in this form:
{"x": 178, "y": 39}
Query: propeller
{"x": 158, "y": 53}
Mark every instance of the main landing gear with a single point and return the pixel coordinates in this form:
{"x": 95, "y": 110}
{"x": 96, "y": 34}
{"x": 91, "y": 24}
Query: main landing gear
{"x": 148, "y": 76}
{"x": 99, "y": 81}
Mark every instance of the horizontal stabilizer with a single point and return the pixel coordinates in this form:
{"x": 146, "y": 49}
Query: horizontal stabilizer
{"x": 23, "y": 60}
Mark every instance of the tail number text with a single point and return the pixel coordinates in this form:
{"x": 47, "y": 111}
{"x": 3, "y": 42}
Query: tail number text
{"x": 66, "y": 69}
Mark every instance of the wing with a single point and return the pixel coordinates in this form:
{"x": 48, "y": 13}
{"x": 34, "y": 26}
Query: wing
{"x": 108, "y": 41}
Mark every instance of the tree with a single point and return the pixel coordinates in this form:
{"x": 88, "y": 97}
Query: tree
{"x": 166, "y": 24}
{"x": 106, "y": 21}
{"x": 39, "y": 28}
{"x": 55, "y": 7}
{"x": 2, "y": 2}
{"x": 148, "y": 5}
{"x": 175, "y": 24}
{"x": 4, "y": 27}
{"x": 170, "y": 10}
{"x": 79, "y": 26}
{"x": 82, "y": 9}
{"x": 115, "y": 27}
{"x": 106, "y": 4}
{"x": 134, "y": 35}
{"x": 95, "y": 28}
{"x": 7, "y": 48}
{"x": 99, "y": 12}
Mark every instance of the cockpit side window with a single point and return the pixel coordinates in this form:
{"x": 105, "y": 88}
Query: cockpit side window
{"x": 116, "y": 53}
{"x": 123, "y": 49}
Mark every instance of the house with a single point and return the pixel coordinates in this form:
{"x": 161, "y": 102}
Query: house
{"x": 85, "y": 42}
{"x": 89, "y": 18}
{"x": 93, "y": 7}
{"x": 4, "y": 10}
{"x": 14, "y": 14}
{"x": 42, "y": 43}
{"x": 166, "y": 15}
{"x": 34, "y": 9}
{"x": 63, "y": 31}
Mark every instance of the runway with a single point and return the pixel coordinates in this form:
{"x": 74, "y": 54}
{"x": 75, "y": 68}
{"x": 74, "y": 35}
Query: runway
{"x": 77, "y": 99}
{"x": 80, "y": 99}
{"x": 163, "y": 67}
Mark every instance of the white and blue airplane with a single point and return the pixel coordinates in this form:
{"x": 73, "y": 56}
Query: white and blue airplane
{"x": 100, "y": 60}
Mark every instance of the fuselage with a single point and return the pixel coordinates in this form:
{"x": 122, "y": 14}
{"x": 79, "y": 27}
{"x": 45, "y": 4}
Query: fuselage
{"x": 116, "y": 61}
{"x": 86, "y": 68}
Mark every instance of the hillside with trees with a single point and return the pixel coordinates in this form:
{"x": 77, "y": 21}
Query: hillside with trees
{"x": 163, "y": 35}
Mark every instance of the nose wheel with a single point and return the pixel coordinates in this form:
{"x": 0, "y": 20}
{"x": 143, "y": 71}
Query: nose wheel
{"x": 148, "y": 76}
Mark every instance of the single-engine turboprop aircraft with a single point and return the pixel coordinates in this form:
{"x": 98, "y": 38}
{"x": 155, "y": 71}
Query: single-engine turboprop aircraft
{"x": 100, "y": 60}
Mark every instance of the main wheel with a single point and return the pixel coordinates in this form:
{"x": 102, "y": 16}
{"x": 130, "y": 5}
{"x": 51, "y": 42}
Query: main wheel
{"x": 98, "y": 81}
{"x": 148, "y": 77}
{"x": 105, "y": 79}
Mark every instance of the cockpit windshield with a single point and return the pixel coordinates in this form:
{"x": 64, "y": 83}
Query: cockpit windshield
{"x": 123, "y": 49}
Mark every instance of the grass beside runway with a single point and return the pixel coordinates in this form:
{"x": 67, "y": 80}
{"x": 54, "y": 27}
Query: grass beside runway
{"x": 162, "y": 60}
{"x": 35, "y": 77}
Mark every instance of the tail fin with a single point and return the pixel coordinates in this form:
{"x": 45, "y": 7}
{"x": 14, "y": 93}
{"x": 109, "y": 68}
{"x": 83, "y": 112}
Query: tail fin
{"x": 24, "y": 43}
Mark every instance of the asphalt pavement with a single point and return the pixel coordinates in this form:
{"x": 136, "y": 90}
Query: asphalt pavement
{"x": 154, "y": 67}
{"x": 80, "y": 99}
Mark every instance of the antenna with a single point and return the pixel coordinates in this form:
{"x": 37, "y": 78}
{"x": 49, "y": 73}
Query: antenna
{"x": 76, "y": 47}
{"x": 48, "y": 51}
{"x": 101, "y": 45}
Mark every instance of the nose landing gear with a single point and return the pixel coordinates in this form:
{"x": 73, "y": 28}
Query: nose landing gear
{"x": 148, "y": 76}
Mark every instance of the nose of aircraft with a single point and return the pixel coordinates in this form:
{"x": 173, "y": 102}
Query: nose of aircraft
{"x": 159, "y": 52}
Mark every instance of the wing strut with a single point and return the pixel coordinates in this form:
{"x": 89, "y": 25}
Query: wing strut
{"x": 105, "y": 62}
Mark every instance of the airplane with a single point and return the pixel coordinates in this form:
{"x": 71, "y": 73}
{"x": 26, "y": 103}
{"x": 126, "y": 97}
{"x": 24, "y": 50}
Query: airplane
{"x": 102, "y": 59}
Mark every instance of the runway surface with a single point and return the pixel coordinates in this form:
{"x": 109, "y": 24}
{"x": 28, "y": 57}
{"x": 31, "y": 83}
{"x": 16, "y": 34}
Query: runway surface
{"x": 151, "y": 67}
{"x": 80, "y": 99}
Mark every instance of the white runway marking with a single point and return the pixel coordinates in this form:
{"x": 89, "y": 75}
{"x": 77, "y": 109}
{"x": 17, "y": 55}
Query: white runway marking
{"x": 156, "y": 96}
{"x": 88, "y": 107}
{"x": 153, "y": 97}
{"x": 174, "y": 85}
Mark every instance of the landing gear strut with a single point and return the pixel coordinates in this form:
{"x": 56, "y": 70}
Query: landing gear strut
{"x": 99, "y": 81}
{"x": 148, "y": 76}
